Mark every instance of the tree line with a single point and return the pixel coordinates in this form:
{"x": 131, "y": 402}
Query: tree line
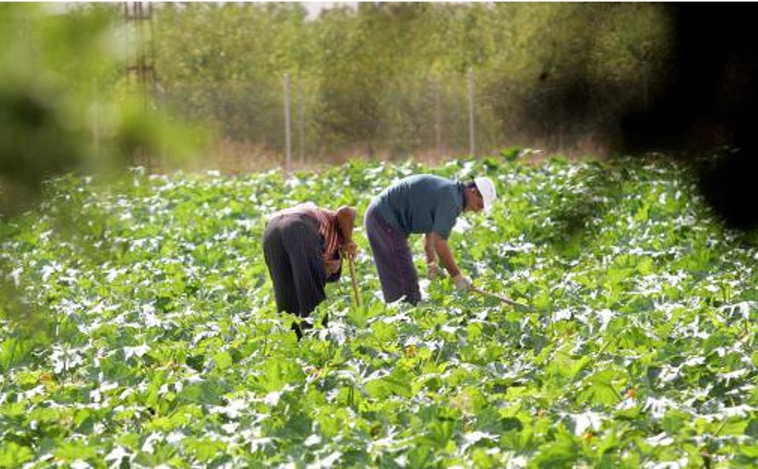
{"x": 371, "y": 77}
{"x": 376, "y": 79}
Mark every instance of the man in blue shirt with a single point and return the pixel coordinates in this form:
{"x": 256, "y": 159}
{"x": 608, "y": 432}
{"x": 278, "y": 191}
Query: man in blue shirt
{"x": 420, "y": 204}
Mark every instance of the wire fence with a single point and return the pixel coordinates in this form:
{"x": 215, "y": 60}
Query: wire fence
{"x": 298, "y": 121}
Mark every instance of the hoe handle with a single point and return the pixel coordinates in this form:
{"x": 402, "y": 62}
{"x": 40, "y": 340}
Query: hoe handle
{"x": 502, "y": 299}
{"x": 355, "y": 280}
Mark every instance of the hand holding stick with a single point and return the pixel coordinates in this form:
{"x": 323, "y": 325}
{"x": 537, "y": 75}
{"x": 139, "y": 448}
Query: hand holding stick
{"x": 352, "y": 277}
{"x": 502, "y": 299}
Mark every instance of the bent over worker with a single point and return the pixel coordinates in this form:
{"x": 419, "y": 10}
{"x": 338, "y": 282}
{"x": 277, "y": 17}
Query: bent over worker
{"x": 302, "y": 247}
{"x": 423, "y": 204}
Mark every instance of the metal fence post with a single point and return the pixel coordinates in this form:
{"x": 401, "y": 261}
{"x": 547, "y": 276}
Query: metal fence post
{"x": 161, "y": 101}
{"x": 95, "y": 112}
{"x": 644, "y": 85}
{"x": 438, "y": 117}
{"x": 287, "y": 124}
{"x": 302, "y": 120}
{"x": 472, "y": 148}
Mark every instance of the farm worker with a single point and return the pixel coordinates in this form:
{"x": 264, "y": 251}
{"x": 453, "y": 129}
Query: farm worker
{"x": 303, "y": 248}
{"x": 420, "y": 204}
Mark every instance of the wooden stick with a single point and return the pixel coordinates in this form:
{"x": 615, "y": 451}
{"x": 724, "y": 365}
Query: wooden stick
{"x": 502, "y": 299}
{"x": 355, "y": 280}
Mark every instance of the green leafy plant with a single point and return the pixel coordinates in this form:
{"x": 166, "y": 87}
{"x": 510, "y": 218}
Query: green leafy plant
{"x": 157, "y": 340}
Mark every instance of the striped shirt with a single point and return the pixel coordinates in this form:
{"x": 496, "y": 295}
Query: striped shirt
{"x": 327, "y": 226}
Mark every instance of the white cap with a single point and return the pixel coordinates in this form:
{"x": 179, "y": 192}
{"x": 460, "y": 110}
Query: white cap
{"x": 487, "y": 188}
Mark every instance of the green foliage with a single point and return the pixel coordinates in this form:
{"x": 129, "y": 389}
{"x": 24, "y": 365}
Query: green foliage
{"x": 64, "y": 102}
{"x": 384, "y": 77}
{"x": 157, "y": 341}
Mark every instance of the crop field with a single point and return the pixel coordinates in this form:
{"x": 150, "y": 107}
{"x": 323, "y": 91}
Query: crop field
{"x": 145, "y": 332}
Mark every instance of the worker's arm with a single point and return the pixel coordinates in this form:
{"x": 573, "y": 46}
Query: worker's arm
{"x": 429, "y": 249}
{"x": 442, "y": 249}
{"x": 433, "y": 270}
{"x": 345, "y": 223}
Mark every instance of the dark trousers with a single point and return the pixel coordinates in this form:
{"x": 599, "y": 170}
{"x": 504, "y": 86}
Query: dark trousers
{"x": 393, "y": 259}
{"x": 293, "y": 252}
